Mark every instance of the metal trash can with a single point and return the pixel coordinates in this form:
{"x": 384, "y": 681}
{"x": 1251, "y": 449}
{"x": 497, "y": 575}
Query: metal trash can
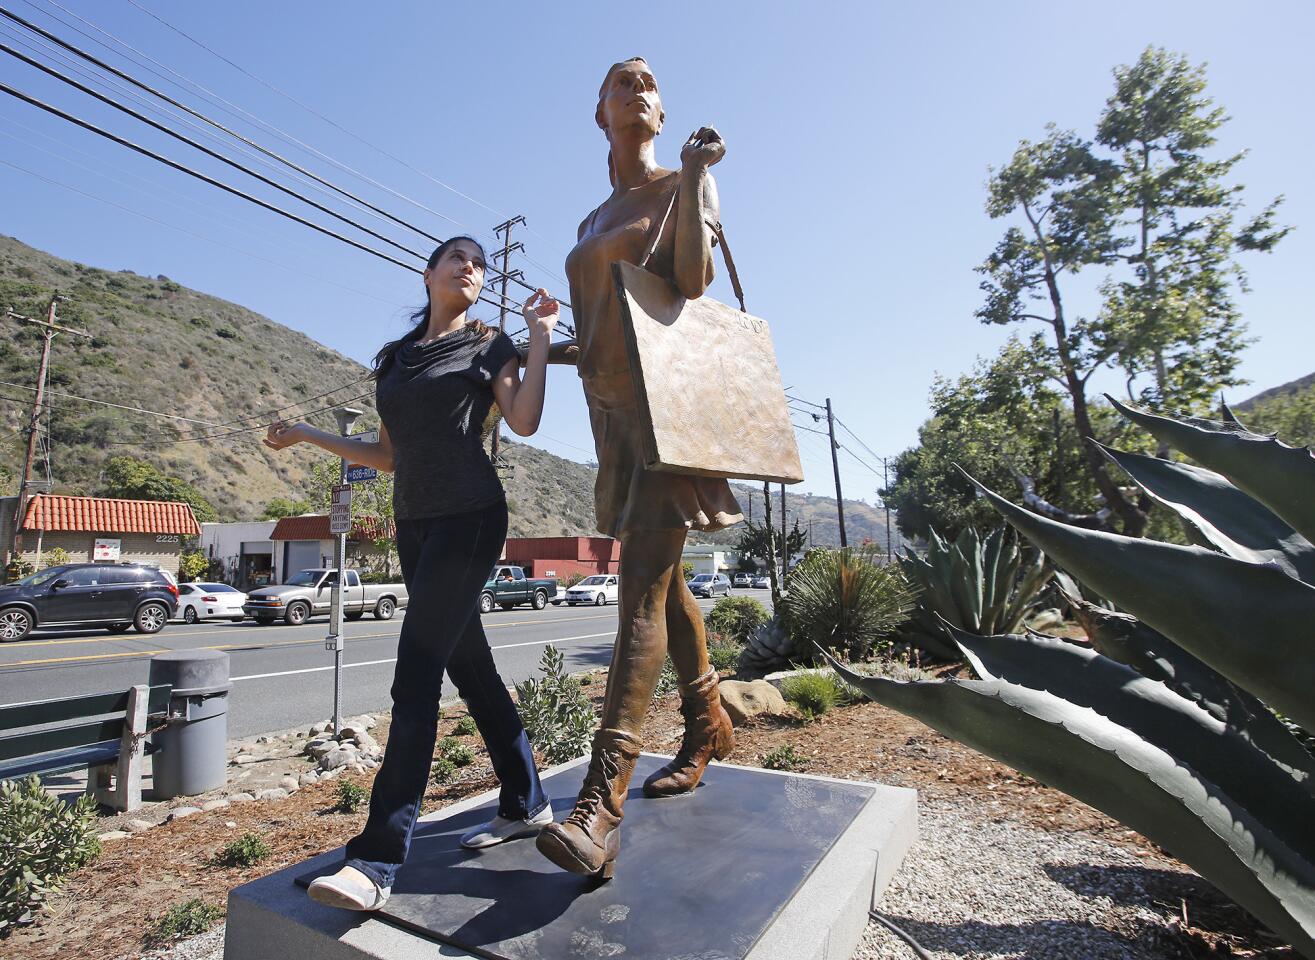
{"x": 190, "y": 752}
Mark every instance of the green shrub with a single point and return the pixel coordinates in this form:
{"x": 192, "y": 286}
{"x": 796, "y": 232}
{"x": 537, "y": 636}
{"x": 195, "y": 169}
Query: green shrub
{"x": 667, "y": 680}
{"x": 55, "y": 557}
{"x": 465, "y": 727}
{"x": 784, "y": 757}
{"x": 188, "y": 919}
{"x": 444, "y": 770}
{"x": 245, "y": 851}
{"x": 42, "y": 841}
{"x": 812, "y": 694}
{"x": 351, "y": 796}
{"x": 558, "y": 717}
{"x": 736, "y": 617}
{"x": 457, "y": 752}
{"x": 723, "y": 652}
{"x": 844, "y": 600}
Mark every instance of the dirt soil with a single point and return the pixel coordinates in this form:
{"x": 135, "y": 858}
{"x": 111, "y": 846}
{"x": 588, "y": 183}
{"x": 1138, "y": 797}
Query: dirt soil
{"x": 106, "y": 910}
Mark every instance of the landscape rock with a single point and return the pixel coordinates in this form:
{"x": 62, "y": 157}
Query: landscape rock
{"x": 274, "y": 793}
{"x": 290, "y": 784}
{"x": 324, "y": 747}
{"x": 743, "y": 700}
{"x": 335, "y": 759}
{"x": 307, "y": 778}
{"x": 1048, "y": 619}
{"x": 214, "y": 804}
{"x": 241, "y": 798}
{"x": 138, "y": 826}
{"x": 231, "y": 824}
{"x": 113, "y": 835}
{"x": 181, "y": 812}
{"x": 242, "y": 759}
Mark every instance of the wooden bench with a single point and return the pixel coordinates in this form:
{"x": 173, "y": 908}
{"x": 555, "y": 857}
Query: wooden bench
{"x": 104, "y": 732}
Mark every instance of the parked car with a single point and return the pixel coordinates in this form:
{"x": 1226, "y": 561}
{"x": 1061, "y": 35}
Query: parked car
{"x": 508, "y": 587}
{"x": 115, "y": 596}
{"x": 710, "y": 585}
{"x": 742, "y": 580}
{"x": 598, "y": 590}
{"x": 762, "y": 582}
{"x": 310, "y": 592}
{"x": 198, "y": 601}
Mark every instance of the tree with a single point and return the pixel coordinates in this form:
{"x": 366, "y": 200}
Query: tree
{"x": 192, "y": 565}
{"x": 758, "y": 542}
{"x": 1159, "y": 208}
{"x": 1175, "y": 318}
{"x": 131, "y": 479}
{"x": 280, "y": 507}
{"x": 371, "y": 500}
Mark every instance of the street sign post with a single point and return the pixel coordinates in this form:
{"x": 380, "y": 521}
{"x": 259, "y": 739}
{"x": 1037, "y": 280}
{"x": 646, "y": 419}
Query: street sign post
{"x": 340, "y": 510}
{"x": 340, "y": 524}
{"x": 359, "y": 472}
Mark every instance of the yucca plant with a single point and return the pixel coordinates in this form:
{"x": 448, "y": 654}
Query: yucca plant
{"x": 845, "y": 600}
{"x": 1168, "y": 723}
{"x": 980, "y": 585}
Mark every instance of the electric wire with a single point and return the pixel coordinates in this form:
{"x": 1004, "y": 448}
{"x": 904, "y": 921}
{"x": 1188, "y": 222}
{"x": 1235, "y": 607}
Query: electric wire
{"x": 186, "y": 232}
{"x": 119, "y": 406}
{"x": 234, "y": 433}
{"x": 119, "y": 73}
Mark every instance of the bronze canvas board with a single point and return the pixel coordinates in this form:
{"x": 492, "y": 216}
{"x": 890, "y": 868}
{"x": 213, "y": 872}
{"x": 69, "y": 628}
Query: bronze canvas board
{"x": 709, "y": 390}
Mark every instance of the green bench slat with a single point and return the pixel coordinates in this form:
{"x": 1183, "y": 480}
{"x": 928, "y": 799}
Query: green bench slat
{"x": 41, "y": 712}
{"x": 61, "y": 738}
{"x": 61, "y": 761}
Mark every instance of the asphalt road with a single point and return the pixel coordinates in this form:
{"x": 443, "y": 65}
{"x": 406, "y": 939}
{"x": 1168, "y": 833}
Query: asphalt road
{"x": 282, "y": 675}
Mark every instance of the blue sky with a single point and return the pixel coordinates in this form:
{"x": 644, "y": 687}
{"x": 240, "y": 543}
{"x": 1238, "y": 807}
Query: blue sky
{"x": 859, "y": 137}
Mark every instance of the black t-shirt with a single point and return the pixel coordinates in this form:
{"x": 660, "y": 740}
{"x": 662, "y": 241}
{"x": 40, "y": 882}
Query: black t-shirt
{"x": 433, "y": 401}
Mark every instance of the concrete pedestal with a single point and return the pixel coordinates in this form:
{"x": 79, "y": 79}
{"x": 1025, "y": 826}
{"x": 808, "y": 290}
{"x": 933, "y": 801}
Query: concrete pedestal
{"x": 755, "y": 865}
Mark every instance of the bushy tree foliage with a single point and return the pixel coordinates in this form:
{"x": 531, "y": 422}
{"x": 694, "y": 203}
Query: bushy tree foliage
{"x": 131, "y": 479}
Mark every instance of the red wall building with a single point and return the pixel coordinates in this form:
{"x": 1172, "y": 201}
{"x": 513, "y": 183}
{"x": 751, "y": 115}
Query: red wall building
{"x": 546, "y": 557}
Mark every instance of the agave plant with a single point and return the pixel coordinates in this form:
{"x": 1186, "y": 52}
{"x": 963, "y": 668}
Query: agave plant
{"x": 982, "y": 586}
{"x": 769, "y": 647}
{"x": 1168, "y": 722}
{"x": 846, "y": 600}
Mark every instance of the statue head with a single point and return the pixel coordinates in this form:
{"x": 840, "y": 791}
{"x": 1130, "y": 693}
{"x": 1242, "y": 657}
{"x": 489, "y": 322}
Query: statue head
{"x": 628, "y": 97}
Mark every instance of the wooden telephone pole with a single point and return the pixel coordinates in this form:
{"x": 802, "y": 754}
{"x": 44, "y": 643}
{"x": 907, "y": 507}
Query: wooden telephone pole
{"x": 49, "y": 329}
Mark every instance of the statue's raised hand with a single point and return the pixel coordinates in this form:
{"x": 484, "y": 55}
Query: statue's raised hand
{"x": 703, "y": 148}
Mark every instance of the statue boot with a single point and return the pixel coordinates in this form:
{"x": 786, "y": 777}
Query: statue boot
{"x": 588, "y": 840}
{"x": 709, "y": 735}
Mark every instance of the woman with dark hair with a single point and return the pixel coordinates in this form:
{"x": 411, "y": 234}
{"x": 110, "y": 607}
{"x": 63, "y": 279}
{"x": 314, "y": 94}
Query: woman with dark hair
{"x": 670, "y": 213}
{"x": 434, "y": 387}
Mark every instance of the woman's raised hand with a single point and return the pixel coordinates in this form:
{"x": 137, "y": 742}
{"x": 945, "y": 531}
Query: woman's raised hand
{"x": 703, "y": 148}
{"x": 541, "y": 312}
{"x": 283, "y": 434}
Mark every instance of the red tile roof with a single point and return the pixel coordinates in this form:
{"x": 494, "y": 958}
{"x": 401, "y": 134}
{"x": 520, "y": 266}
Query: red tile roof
{"x": 316, "y": 527}
{"x": 103, "y": 515}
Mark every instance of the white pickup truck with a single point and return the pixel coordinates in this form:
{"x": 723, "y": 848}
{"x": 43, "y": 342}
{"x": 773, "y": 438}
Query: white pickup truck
{"x": 310, "y": 592}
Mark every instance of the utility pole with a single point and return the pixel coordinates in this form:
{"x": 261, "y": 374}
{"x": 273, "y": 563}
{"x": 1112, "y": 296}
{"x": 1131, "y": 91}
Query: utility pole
{"x": 771, "y": 547}
{"x": 885, "y": 502}
{"x": 503, "y": 230}
{"x": 835, "y": 467}
{"x": 346, "y": 417}
{"x": 785, "y": 540}
{"x": 49, "y": 329}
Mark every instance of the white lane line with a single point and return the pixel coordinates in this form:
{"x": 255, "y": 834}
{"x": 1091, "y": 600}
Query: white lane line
{"x": 375, "y": 663}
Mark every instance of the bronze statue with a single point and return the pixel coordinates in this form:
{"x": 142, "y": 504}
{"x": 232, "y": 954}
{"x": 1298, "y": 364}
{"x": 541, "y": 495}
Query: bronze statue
{"x": 649, "y": 511}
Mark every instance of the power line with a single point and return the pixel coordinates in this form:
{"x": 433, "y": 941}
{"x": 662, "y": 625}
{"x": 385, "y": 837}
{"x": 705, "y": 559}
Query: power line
{"x": 234, "y": 433}
{"x": 119, "y": 406}
{"x": 119, "y": 73}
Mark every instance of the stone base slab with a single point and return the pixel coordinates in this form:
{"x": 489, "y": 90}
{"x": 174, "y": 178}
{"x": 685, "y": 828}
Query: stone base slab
{"x": 756, "y": 865}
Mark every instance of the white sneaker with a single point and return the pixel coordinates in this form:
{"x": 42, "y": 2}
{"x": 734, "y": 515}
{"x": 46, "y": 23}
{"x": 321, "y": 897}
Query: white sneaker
{"x": 349, "y": 889}
{"x": 500, "y": 829}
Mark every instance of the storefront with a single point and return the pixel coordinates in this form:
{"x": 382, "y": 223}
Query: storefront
{"x": 102, "y": 530}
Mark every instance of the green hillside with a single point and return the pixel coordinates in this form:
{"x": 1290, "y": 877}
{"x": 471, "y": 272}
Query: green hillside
{"x": 163, "y": 347}
{"x": 1287, "y": 410}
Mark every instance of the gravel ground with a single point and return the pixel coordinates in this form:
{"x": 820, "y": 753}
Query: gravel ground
{"x": 977, "y": 888}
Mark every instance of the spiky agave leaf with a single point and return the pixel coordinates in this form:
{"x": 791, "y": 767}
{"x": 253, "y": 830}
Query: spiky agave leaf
{"x": 1126, "y": 639}
{"x": 1201, "y": 600}
{"x": 1225, "y": 517}
{"x": 1089, "y": 756}
{"x": 1215, "y": 750}
{"x": 1279, "y": 476}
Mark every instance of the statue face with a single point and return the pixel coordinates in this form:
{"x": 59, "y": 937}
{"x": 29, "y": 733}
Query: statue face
{"x": 631, "y": 99}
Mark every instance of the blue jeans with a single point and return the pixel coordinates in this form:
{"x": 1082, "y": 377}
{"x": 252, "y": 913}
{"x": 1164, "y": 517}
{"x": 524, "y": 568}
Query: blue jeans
{"x": 445, "y": 563}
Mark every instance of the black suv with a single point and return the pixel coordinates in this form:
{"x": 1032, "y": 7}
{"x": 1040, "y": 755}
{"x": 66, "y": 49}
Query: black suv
{"x": 116, "y": 596}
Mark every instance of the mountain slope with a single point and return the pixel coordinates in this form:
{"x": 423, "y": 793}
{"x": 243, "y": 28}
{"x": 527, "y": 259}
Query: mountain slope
{"x": 163, "y": 347}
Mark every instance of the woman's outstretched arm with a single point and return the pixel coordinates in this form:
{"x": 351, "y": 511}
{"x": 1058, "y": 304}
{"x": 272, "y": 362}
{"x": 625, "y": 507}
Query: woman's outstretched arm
{"x": 521, "y": 400}
{"x": 378, "y": 455}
